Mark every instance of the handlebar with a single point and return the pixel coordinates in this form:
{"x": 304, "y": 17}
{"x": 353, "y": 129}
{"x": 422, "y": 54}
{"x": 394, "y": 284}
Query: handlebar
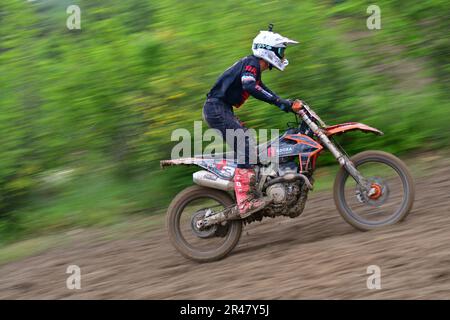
{"x": 297, "y": 105}
{"x": 306, "y": 113}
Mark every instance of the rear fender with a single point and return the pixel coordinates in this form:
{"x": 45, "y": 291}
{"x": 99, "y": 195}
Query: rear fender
{"x": 181, "y": 161}
{"x": 222, "y": 168}
{"x": 351, "y": 126}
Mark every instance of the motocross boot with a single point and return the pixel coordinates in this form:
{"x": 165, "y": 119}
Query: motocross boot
{"x": 246, "y": 201}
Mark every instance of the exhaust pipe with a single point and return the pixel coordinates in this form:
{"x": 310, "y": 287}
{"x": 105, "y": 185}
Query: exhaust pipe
{"x": 207, "y": 179}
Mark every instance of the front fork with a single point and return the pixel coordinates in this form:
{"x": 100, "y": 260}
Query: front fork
{"x": 350, "y": 167}
{"x": 340, "y": 157}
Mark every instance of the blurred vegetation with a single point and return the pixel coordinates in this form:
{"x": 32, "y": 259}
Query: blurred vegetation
{"x": 87, "y": 114}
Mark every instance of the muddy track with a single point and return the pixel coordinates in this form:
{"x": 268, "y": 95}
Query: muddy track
{"x": 314, "y": 256}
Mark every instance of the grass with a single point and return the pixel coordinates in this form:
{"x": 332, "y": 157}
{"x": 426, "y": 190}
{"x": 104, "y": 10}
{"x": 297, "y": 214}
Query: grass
{"x": 26, "y": 248}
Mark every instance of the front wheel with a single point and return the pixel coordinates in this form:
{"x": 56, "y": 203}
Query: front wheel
{"x": 202, "y": 245}
{"x": 392, "y": 193}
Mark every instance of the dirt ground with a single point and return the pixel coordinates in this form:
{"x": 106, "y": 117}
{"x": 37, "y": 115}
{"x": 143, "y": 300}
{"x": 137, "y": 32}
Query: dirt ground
{"x": 316, "y": 255}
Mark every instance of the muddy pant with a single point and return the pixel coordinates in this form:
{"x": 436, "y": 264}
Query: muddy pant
{"x": 220, "y": 116}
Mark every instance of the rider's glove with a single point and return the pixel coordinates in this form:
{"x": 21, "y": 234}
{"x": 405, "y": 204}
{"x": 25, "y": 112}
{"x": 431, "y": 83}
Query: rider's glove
{"x": 284, "y": 104}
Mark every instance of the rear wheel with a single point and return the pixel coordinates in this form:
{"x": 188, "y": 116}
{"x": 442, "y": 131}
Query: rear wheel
{"x": 191, "y": 205}
{"x": 392, "y": 193}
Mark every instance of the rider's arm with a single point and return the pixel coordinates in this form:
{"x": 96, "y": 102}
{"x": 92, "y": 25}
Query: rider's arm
{"x": 283, "y": 104}
{"x": 266, "y": 88}
{"x": 260, "y": 91}
{"x": 250, "y": 85}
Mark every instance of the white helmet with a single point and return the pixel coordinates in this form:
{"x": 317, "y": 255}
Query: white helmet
{"x": 270, "y": 46}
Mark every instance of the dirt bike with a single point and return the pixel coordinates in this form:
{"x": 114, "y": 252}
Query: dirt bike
{"x": 372, "y": 189}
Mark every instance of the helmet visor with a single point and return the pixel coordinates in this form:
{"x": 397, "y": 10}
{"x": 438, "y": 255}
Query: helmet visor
{"x": 279, "y": 52}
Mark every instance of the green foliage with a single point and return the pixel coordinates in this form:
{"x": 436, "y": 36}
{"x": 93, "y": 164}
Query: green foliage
{"x": 109, "y": 95}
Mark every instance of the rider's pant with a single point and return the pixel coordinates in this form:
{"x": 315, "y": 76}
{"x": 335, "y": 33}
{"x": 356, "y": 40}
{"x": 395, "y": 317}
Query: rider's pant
{"x": 220, "y": 116}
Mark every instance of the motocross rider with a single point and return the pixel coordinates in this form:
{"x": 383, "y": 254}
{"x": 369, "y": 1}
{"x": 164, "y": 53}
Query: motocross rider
{"x": 232, "y": 89}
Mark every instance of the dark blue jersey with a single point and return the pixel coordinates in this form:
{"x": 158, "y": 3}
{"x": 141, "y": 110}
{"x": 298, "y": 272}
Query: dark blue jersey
{"x": 240, "y": 81}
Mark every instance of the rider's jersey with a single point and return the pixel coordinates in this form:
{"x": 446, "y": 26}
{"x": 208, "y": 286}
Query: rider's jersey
{"x": 241, "y": 80}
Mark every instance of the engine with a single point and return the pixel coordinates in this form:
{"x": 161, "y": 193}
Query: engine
{"x": 288, "y": 197}
{"x": 284, "y": 193}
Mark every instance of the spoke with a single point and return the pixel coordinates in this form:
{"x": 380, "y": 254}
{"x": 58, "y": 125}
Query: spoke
{"x": 201, "y": 240}
{"x": 386, "y": 198}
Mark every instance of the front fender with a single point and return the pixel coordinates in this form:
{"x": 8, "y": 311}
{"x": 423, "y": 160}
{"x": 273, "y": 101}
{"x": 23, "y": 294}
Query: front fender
{"x": 350, "y": 126}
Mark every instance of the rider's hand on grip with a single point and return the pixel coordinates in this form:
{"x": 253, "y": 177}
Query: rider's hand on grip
{"x": 284, "y": 104}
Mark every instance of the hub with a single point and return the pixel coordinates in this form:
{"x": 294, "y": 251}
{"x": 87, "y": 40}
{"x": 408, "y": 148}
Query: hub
{"x": 377, "y": 195}
{"x": 197, "y": 224}
{"x": 375, "y": 191}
